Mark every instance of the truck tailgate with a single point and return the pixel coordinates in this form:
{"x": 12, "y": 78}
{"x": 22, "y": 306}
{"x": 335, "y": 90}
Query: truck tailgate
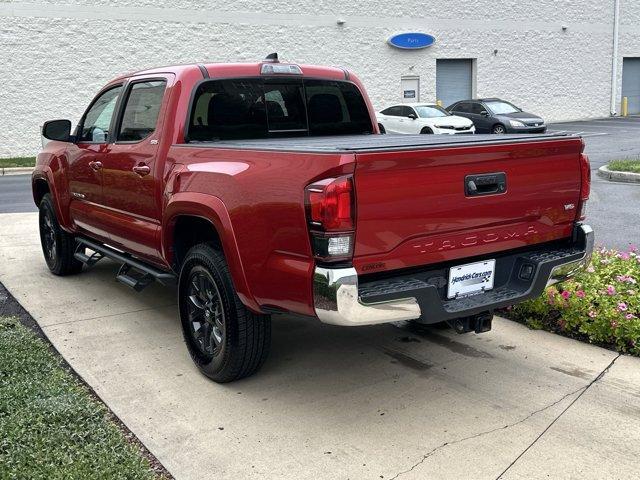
{"x": 416, "y": 207}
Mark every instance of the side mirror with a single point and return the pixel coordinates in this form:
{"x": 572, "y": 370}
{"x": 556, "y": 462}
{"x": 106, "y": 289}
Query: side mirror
{"x": 59, "y": 130}
{"x": 412, "y": 116}
{"x": 484, "y": 113}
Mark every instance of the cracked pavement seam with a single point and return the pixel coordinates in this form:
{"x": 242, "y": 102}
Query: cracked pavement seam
{"x": 580, "y": 390}
{"x": 109, "y": 315}
{"x": 600, "y": 375}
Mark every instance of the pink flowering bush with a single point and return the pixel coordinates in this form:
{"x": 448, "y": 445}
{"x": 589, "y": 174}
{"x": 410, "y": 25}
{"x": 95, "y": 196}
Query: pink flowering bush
{"x": 601, "y": 304}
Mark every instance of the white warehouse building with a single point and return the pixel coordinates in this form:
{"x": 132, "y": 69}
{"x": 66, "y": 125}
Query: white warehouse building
{"x": 561, "y": 59}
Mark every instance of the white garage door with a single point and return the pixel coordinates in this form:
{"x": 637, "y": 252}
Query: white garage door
{"x": 453, "y": 80}
{"x": 631, "y": 83}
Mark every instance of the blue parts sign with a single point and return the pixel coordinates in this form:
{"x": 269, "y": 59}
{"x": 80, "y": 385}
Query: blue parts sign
{"x": 411, "y": 40}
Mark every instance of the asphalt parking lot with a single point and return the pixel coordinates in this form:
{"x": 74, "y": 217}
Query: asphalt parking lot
{"x": 614, "y": 208}
{"x": 606, "y": 139}
{"x": 380, "y": 402}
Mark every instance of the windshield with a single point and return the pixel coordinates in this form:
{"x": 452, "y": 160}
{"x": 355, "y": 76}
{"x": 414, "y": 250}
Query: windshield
{"x": 499, "y": 107}
{"x": 242, "y": 109}
{"x": 431, "y": 111}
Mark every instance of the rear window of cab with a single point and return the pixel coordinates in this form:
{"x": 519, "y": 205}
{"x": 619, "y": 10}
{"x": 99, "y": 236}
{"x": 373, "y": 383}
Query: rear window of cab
{"x": 241, "y": 109}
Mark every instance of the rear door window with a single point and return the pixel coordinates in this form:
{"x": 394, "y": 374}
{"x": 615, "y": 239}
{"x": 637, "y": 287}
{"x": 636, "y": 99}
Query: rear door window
{"x": 141, "y": 110}
{"x": 276, "y": 107}
{"x": 393, "y": 111}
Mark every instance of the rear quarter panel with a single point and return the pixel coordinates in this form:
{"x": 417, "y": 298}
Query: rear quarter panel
{"x": 263, "y": 193}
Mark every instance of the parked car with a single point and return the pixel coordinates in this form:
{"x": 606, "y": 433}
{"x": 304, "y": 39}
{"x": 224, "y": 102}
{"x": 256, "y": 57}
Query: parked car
{"x": 421, "y": 118}
{"x": 492, "y": 115}
{"x": 263, "y": 189}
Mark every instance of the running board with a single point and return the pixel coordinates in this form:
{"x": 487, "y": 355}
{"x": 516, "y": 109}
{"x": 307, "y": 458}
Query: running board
{"x": 133, "y": 272}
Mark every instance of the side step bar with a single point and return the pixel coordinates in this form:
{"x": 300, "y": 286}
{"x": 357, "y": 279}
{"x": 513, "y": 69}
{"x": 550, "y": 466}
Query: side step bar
{"x": 133, "y": 272}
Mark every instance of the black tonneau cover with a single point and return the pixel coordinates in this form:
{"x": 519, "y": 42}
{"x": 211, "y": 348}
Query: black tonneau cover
{"x": 368, "y": 143}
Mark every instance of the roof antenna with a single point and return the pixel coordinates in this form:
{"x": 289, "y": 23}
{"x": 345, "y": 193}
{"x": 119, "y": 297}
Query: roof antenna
{"x": 272, "y": 57}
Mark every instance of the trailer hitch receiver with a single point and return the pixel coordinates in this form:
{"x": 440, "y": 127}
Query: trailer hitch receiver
{"x": 479, "y": 323}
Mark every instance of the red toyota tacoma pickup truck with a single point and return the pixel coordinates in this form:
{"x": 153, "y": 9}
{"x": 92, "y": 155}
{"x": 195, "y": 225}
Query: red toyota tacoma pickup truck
{"x": 266, "y": 188}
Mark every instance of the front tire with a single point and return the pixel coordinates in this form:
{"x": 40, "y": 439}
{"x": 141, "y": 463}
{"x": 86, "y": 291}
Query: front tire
{"x": 426, "y": 131}
{"x": 58, "y": 246}
{"x": 226, "y": 341}
{"x": 499, "y": 129}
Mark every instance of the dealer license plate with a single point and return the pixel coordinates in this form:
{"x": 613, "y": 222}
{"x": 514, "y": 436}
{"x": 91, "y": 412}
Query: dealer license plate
{"x": 471, "y": 278}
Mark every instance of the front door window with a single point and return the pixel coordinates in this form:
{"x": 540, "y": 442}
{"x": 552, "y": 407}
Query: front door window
{"x": 97, "y": 120}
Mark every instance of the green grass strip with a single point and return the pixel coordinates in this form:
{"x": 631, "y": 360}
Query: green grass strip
{"x": 625, "y": 166}
{"x": 17, "y": 162}
{"x": 51, "y": 427}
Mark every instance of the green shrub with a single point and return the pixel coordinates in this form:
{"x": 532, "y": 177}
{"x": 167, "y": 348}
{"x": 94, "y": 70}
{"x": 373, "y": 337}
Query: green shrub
{"x": 601, "y": 303}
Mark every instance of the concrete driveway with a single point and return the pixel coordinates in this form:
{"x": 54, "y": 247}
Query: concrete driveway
{"x": 380, "y": 402}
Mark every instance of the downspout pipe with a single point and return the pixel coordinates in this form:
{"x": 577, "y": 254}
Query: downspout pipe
{"x": 614, "y": 63}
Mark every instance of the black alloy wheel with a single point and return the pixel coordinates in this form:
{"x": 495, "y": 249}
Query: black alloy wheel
{"x": 225, "y": 339}
{"x": 58, "y": 246}
{"x": 205, "y": 313}
{"x": 48, "y": 237}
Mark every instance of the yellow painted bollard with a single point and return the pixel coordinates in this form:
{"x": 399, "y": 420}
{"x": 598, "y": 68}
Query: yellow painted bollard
{"x": 439, "y": 103}
{"x": 625, "y": 106}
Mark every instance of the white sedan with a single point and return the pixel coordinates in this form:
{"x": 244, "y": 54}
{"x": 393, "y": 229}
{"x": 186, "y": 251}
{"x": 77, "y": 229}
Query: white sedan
{"x": 422, "y": 118}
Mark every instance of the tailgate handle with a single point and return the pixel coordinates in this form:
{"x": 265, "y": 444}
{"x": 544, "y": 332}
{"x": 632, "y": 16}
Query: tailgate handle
{"x": 485, "y": 184}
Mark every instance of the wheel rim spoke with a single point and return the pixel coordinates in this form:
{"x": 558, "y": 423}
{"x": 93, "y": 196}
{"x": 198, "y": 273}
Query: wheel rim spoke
{"x": 48, "y": 235}
{"x": 207, "y": 345}
{"x": 205, "y": 313}
{"x": 195, "y": 301}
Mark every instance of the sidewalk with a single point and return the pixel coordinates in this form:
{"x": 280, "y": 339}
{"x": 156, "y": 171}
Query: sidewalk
{"x": 359, "y": 403}
{"x": 15, "y": 170}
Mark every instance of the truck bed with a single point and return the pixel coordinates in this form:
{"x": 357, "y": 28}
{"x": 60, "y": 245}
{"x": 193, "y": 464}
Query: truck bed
{"x": 374, "y": 143}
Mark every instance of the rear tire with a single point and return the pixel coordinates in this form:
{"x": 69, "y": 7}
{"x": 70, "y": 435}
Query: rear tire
{"x": 499, "y": 129}
{"x": 426, "y": 131}
{"x": 226, "y": 341}
{"x": 58, "y": 246}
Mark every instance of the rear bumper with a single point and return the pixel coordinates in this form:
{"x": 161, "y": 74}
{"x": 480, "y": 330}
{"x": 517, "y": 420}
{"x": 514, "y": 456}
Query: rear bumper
{"x": 340, "y": 297}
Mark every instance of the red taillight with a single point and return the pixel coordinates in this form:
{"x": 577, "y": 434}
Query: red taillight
{"x": 330, "y": 205}
{"x": 585, "y": 185}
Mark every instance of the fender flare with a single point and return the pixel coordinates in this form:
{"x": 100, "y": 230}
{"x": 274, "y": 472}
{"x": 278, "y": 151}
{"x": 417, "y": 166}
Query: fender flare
{"x": 45, "y": 174}
{"x": 213, "y": 210}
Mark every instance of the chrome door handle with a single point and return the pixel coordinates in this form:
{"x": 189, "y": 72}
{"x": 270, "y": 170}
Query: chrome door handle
{"x": 142, "y": 170}
{"x": 95, "y": 166}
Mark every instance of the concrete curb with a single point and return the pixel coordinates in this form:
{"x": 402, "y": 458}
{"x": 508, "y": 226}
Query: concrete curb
{"x": 15, "y": 170}
{"x": 628, "y": 177}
